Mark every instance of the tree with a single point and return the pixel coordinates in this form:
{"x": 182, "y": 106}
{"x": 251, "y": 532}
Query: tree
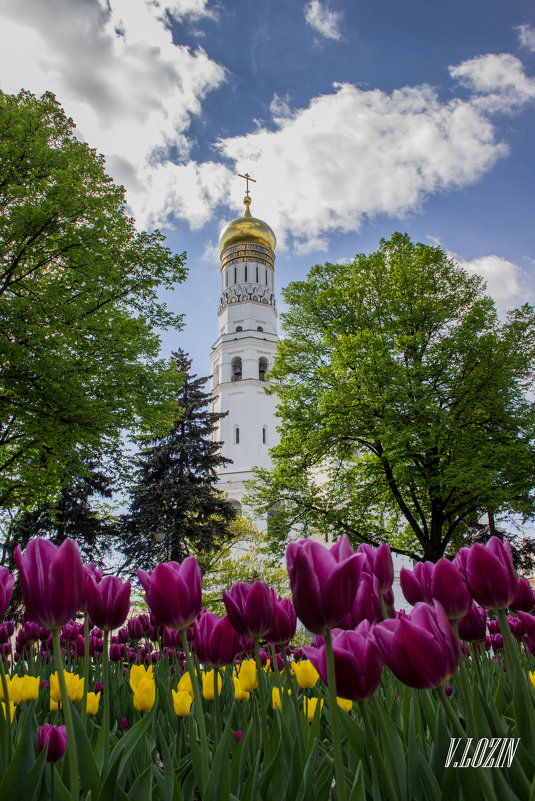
{"x": 79, "y": 308}
{"x": 174, "y": 495}
{"x": 403, "y": 405}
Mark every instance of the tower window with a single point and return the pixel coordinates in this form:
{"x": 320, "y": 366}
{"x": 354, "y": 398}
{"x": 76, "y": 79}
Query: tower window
{"x": 262, "y": 368}
{"x": 237, "y": 435}
{"x": 239, "y": 328}
{"x": 226, "y": 279}
{"x": 235, "y": 276}
{"x": 259, "y": 328}
{"x": 257, "y": 275}
{"x": 266, "y": 276}
{"x": 235, "y": 369}
{"x": 245, "y": 273}
{"x": 264, "y": 435}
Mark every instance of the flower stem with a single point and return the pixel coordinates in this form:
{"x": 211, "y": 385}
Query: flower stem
{"x": 376, "y": 751}
{"x": 197, "y": 704}
{"x": 261, "y": 694}
{"x": 217, "y": 705}
{"x": 106, "y": 716}
{"x": 522, "y": 697}
{"x": 335, "y": 721}
{"x": 7, "y": 706}
{"x": 488, "y": 792}
{"x": 86, "y": 667}
{"x": 67, "y": 714}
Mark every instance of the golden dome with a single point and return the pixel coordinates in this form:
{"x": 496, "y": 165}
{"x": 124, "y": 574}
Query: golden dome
{"x": 247, "y": 229}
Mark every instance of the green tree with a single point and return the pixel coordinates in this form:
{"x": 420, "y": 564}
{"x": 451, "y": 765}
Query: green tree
{"x": 78, "y": 308}
{"x": 403, "y": 405}
{"x": 173, "y": 497}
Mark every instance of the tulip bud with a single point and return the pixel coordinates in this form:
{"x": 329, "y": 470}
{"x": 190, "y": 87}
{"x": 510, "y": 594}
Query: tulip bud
{"x": 56, "y": 739}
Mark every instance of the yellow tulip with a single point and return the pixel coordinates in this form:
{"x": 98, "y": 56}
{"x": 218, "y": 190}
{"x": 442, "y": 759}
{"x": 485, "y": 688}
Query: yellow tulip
{"x": 185, "y": 684}
{"x": 345, "y": 703}
{"x": 247, "y": 675}
{"x": 138, "y": 673}
{"x": 182, "y": 701}
{"x": 531, "y": 675}
{"x": 208, "y": 685}
{"x": 239, "y": 693}
{"x": 306, "y": 674}
{"x": 92, "y": 703}
{"x": 14, "y": 689}
{"x": 309, "y": 707}
{"x": 54, "y": 706}
{"x": 11, "y": 709}
{"x": 75, "y": 686}
{"x": 30, "y": 688}
{"x": 276, "y": 697}
{"x": 145, "y": 694}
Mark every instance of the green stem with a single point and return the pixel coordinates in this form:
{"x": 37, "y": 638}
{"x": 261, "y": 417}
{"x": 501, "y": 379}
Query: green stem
{"x": 197, "y": 704}
{"x": 488, "y": 792}
{"x": 8, "y": 710}
{"x": 376, "y": 751}
{"x": 335, "y": 721}
{"x": 521, "y": 690}
{"x": 278, "y": 680}
{"x": 217, "y": 705}
{"x": 461, "y": 673}
{"x": 261, "y": 694}
{"x": 86, "y": 667}
{"x": 107, "y": 687}
{"x": 67, "y": 714}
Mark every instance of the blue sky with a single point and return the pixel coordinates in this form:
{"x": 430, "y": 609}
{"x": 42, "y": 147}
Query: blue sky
{"x": 356, "y": 118}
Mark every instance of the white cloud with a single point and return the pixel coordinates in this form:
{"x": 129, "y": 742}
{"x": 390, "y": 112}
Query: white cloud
{"x": 499, "y": 79}
{"x": 354, "y": 153}
{"x": 116, "y": 71}
{"x": 506, "y": 281}
{"x": 526, "y": 36}
{"x": 325, "y": 22}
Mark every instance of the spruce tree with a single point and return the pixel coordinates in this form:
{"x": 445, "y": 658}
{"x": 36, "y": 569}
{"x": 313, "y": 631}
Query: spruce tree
{"x": 173, "y": 498}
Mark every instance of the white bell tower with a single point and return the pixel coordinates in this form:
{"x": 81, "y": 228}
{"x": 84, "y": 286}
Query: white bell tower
{"x": 244, "y": 350}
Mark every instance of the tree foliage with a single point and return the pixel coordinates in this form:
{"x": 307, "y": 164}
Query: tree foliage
{"x": 403, "y": 402}
{"x": 174, "y": 493}
{"x": 78, "y": 307}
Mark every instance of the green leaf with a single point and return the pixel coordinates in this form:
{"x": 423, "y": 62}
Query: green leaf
{"x": 218, "y": 785}
{"x": 89, "y": 773}
{"x": 141, "y": 789}
{"x": 15, "y": 779}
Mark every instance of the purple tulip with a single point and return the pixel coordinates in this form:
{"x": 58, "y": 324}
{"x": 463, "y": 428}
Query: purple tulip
{"x": 367, "y": 604}
{"x": 449, "y": 587}
{"x": 324, "y": 582}
{"x": 7, "y": 580}
{"x": 416, "y": 583}
{"x": 56, "y": 737}
{"x": 174, "y": 592}
{"x": 523, "y": 599}
{"x": 380, "y": 564}
{"x": 52, "y": 581}
{"x": 489, "y": 573}
{"x": 250, "y": 608}
{"x": 528, "y": 623}
{"x": 283, "y": 628}
{"x": 357, "y": 662}
{"x": 108, "y": 601}
{"x": 420, "y": 648}
{"x": 516, "y": 626}
{"x": 135, "y": 629}
{"x": 473, "y": 625}
{"x": 216, "y": 641}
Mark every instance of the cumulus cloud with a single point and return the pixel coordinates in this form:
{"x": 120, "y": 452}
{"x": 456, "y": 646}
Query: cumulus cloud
{"x": 506, "y": 281}
{"x": 116, "y": 71}
{"x": 499, "y": 80}
{"x": 526, "y": 36}
{"x": 325, "y": 22}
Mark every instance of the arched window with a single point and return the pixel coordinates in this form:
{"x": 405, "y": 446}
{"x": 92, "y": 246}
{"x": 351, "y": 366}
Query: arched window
{"x": 236, "y": 435}
{"x": 264, "y": 435}
{"x": 262, "y": 368}
{"x": 216, "y": 375}
{"x": 245, "y": 273}
{"x": 259, "y": 328}
{"x": 235, "y": 369}
{"x": 239, "y": 328}
{"x": 226, "y": 278}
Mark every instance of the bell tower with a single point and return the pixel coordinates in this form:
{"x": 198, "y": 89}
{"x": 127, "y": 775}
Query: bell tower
{"x": 245, "y": 349}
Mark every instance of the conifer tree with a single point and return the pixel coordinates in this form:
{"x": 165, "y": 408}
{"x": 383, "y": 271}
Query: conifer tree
{"x": 175, "y": 510}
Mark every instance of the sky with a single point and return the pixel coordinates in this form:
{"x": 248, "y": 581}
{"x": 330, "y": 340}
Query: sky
{"x": 356, "y": 119}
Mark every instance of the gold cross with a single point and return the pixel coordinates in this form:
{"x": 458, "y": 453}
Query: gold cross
{"x": 247, "y": 179}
